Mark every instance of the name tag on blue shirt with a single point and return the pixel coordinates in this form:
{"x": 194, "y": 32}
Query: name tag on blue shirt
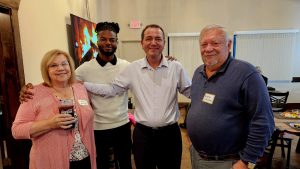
{"x": 208, "y": 98}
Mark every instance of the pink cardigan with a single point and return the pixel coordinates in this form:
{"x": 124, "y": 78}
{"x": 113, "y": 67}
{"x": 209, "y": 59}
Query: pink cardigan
{"x": 51, "y": 150}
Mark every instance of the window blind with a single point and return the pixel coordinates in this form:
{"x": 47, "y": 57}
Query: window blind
{"x": 185, "y": 47}
{"x": 272, "y": 50}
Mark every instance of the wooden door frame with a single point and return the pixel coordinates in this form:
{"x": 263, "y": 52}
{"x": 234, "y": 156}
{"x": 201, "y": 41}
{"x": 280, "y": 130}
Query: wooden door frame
{"x": 14, "y": 147}
{"x": 13, "y": 5}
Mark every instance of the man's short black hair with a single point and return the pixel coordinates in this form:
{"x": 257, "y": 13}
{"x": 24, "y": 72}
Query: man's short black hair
{"x": 152, "y": 26}
{"x": 111, "y": 26}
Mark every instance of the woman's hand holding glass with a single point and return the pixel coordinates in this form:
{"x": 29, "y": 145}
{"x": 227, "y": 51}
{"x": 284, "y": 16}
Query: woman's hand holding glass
{"x": 58, "y": 121}
{"x": 64, "y": 121}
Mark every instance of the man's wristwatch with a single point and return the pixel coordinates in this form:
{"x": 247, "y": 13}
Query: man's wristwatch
{"x": 249, "y": 164}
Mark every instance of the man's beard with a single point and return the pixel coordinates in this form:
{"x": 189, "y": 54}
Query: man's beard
{"x": 211, "y": 63}
{"x": 107, "y": 54}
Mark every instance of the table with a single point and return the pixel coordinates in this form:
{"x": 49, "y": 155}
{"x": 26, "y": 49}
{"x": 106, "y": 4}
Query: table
{"x": 282, "y": 125}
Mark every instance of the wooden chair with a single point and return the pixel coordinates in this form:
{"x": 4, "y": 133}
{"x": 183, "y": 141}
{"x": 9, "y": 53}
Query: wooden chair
{"x": 283, "y": 140}
{"x": 278, "y": 100}
{"x": 279, "y": 138}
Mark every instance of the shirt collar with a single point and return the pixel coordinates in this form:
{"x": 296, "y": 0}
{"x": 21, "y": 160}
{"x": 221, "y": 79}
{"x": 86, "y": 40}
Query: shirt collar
{"x": 222, "y": 69}
{"x": 103, "y": 62}
{"x": 163, "y": 63}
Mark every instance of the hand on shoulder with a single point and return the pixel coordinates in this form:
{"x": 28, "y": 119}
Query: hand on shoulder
{"x": 25, "y": 93}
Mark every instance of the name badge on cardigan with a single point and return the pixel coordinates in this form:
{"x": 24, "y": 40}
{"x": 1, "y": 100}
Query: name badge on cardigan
{"x": 208, "y": 98}
{"x": 83, "y": 102}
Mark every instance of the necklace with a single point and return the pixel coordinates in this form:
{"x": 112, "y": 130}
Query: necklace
{"x": 63, "y": 93}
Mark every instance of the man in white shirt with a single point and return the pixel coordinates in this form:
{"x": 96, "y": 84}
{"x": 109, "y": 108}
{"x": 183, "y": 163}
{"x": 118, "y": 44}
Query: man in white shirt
{"x": 111, "y": 123}
{"x": 155, "y": 83}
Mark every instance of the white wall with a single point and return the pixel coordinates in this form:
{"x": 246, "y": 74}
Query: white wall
{"x": 183, "y": 16}
{"x": 43, "y": 27}
{"x": 192, "y": 15}
{"x": 177, "y": 16}
{"x": 43, "y": 22}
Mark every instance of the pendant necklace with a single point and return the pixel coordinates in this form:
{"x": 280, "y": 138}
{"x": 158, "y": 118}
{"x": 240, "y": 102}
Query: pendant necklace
{"x": 62, "y": 93}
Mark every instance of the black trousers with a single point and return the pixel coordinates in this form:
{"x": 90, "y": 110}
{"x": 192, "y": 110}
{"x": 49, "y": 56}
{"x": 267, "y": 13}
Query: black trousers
{"x": 161, "y": 148}
{"x": 118, "y": 139}
{"x": 84, "y": 163}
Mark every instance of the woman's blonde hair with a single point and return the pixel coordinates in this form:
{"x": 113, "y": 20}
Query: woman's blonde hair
{"x": 47, "y": 60}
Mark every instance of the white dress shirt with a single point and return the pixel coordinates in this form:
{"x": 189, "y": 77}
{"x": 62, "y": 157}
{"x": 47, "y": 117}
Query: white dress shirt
{"x": 155, "y": 90}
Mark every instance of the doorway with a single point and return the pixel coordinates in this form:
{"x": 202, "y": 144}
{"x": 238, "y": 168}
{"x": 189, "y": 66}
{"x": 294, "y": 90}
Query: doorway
{"x": 14, "y": 153}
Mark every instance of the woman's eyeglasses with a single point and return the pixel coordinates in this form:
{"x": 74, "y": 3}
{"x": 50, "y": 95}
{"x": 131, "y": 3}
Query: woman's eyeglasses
{"x": 55, "y": 65}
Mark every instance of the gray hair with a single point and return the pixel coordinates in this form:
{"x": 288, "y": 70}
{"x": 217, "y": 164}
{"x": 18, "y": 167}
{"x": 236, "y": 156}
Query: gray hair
{"x": 212, "y": 27}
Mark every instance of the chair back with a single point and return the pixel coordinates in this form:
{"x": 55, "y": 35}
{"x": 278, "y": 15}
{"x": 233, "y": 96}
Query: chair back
{"x": 278, "y": 100}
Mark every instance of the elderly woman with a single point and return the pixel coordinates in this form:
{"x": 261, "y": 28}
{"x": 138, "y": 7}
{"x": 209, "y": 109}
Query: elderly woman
{"x": 59, "y": 140}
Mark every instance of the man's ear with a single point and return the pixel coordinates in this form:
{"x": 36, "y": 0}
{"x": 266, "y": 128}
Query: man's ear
{"x": 229, "y": 43}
